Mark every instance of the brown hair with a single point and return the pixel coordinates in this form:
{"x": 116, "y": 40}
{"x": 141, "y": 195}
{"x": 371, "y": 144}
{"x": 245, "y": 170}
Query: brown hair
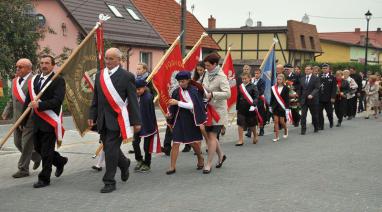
{"x": 212, "y": 58}
{"x": 52, "y": 60}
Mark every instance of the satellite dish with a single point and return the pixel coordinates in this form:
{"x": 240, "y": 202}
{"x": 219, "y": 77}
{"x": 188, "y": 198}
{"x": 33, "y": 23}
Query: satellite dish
{"x": 249, "y": 22}
{"x": 305, "y": 19}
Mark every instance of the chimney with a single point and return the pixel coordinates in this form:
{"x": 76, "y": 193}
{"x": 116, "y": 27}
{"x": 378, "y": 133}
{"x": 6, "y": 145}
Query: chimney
{"x": 362, "y": 40}
{"x": 259, "y": 24}
{"x": 358, "y": 30}
{"x": 211, "y": 23}
{"x": 379, "y": 29}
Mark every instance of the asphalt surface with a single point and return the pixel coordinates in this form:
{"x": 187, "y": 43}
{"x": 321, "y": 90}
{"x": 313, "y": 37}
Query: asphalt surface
{"x": 336, "y": 169}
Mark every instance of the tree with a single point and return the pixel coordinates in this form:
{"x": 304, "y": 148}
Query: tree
{"x": 19, "y": 34}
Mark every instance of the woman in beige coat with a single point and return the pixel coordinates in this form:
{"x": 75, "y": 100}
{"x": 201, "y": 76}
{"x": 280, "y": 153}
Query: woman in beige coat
{"x": 217, "y": 92}
{"x": 372, "y": 96}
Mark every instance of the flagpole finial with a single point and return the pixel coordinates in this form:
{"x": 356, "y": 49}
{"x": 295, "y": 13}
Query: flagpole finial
{"x": 204, "y": 34}
{"x": 101, "y": 19}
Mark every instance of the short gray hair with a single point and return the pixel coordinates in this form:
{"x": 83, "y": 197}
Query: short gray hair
{"x": 116, "y": 51}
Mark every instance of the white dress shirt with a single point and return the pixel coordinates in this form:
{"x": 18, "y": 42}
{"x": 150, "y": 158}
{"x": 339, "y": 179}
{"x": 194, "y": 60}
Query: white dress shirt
{"x": 188, "y": 104}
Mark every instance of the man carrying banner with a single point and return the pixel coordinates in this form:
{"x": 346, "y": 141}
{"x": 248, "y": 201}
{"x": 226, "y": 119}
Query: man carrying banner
{"x": 114, "y": 109}
{"x": 23, "y": 137}
{"x": 47, "y": 119}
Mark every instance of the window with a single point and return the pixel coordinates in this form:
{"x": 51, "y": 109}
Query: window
{"x": 303, "y": 45}
{"x": 146, "y": 57}
{"x": 115, "y": 11}
{"x": 312, "y": 42}
{"x": 133, "y": 14}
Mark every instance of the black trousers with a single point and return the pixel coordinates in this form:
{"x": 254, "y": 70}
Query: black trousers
{"x": 351, "y": 106}
{"x": 340, "y": 108}
{"x": 114, "y": 156}
{"x": 167, "y": 139}
{"x": 44, "y": 143}
{"x": 313, "y": 109}
{"x": 146, "y": 148}
{"x": 328, "y": 106}
{"x": 296, "y": 116}
{"x": 361, "y": 102}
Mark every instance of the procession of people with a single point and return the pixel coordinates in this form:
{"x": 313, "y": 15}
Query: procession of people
{"x": 123, "y": 110}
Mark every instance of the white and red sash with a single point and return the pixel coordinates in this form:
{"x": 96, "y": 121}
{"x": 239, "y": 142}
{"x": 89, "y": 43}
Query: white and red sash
{"x": 18, "y": 91}
{"x": 49, "y": 116}
{"x": 249, "y": 99}
{"x": 117, "y": 104}
{"x": 155, "y": 146}
{"x": 281, "y": 101}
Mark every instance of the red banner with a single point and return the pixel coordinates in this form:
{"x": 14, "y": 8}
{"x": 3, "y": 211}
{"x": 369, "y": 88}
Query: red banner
{"x": 100, "y": 47}
{"x": 192, "y": 61}
{"x": 162, "y": 78}
{"x": 229, "y": 71}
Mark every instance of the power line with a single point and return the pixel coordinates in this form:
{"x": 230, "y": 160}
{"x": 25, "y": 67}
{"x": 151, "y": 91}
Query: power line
{"x": 339, "y": 18}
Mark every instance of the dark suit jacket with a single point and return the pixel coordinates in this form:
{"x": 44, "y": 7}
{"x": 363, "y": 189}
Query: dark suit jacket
{"x": 260, "y": 86}
{"x": 103, "y": 114}
{"x": 328, "y": 88}
{"x": 51, "y": 100}
{"x": 311, "y": 88}
{"x": 295, "y": 79}
{"x": 284, "y": 95}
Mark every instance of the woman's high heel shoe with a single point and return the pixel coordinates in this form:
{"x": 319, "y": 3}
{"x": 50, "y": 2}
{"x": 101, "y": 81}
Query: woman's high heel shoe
{"x": 170, "y": 172}
{"x": 276, "y": 139}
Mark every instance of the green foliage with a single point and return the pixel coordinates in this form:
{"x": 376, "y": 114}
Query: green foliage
{"x": 18, "y": 35}
{"x": 359, "y": 67}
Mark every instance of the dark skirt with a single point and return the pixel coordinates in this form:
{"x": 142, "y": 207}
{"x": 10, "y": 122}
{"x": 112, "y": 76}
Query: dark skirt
{"x": 279, "y": 111}
{"x": 246, "y": 121}
{"x": 185, "y": 131}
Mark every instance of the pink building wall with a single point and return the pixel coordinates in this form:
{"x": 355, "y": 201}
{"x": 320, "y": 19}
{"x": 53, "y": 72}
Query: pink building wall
{"x": 55, "y": 15}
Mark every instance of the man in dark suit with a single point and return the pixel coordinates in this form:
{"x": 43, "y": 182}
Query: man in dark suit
{"x": 358, "y": 79}
{"x": 44, "y": 134}
{"x": 103, "y": 114}
{"x": 327, "y": 96}
{"x": 308, "y": 94}
{"x": 293, "y": 98}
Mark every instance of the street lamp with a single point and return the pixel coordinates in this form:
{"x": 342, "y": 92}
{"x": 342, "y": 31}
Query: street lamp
{"x": 368, "y": 17}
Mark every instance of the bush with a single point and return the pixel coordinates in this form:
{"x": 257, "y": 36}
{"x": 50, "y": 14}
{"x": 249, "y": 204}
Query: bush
{"x": 342, "y": 66}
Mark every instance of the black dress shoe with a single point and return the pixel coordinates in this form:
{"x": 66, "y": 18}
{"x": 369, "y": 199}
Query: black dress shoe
{"x": 36, "y": 165}
{"x": 125, "y": 172}
{"x": 205, "y": 171}
{"x": 316, "y": 130}
{"x": 97, "y": 168}
{"x": 20, "y": 174}
{"x": 108, "y": 188}
{"x": 239, "y": 144}
{"x": 40, "y": 184}
{"x": 331, "y": 125}
{"x": 338, "y": 125}
{"x": 219, "y": 165}
{"x": 170, "y": 172}
{"x": 261, "y": 133}
{"x": 187, "y": 148}
{"x": 303, "y": 131}
{"x": 60, "y": 170}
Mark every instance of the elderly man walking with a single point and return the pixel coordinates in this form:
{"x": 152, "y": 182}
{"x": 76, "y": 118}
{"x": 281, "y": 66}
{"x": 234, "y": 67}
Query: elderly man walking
{"x": 23, "y": 137}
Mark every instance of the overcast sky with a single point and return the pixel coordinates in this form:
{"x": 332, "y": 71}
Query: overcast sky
{"x": 233, "y": 13}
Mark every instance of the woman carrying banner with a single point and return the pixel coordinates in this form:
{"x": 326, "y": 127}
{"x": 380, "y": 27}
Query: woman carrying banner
{"x": 280, "y": 106}
{"x": 217, "y": 92}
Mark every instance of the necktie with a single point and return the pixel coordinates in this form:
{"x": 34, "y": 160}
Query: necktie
{"x": 21, "y": 79}
{"x": 307, "y": 80}
{"x": 39, "y": 84}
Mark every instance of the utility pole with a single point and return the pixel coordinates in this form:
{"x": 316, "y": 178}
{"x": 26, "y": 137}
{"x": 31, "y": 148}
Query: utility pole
{"x": 183, "y": 27}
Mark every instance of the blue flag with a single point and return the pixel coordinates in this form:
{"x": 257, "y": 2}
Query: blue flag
{"x": 269, "y": 74}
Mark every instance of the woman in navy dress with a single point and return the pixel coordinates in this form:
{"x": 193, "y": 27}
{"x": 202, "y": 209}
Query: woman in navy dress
{"x": 186, "y": 114}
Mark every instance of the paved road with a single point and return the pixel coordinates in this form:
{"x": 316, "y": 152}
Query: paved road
{"x": 335, "y": 170}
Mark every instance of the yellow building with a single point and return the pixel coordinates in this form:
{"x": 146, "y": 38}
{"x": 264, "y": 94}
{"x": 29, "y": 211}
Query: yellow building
{"x": 350, "y": 46}
{"x": 298, "y": 42}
